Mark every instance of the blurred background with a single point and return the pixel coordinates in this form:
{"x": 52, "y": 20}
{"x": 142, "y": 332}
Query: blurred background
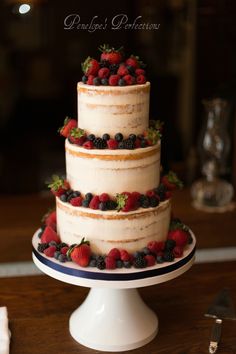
{"x": 191, "y": 57}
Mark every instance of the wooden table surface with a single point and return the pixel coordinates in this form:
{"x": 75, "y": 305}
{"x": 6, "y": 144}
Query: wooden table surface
{"x": 39, "y": 306}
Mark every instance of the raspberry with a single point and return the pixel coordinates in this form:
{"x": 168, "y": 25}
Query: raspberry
{"x": 104, "y": 197}
{"x": 90, "y": 79}
{"x": 178, "y": 251}
{"x": 64, "y": 250}
{"x": 112, "y": 144}
{"x": 124, "y": 255}
{"x": 137, "y": 143}
{"x": 113, "y": 80}
{"x": 94, "y": 204}
{"x": 141, "y": 79}
{"x": 150, "y": 193}
{"x": 49, "y": 252}
{"x": 129, "y": 79}
{"x": 132, "y": 61}
{"x": 103, "y": 73}
{"x": 110, "y": 262}
{"x": 77, "y": 201}
{"x": 140, "y": 72}
{"x": 122, "y": 71}
{"x": 150, "y": 260}
{"x": 155, "y": 246}
{"x": 88, "y": 144}
{"x": 114, "y": 253}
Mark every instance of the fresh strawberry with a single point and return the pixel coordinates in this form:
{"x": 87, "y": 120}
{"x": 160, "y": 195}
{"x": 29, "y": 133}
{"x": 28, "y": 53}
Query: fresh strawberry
{"x": 181, "y": 237}
{"x": 94, "y": 203}
{"x": 77, "y": 201}
{"x": 77, "y": 136}
{"x": 122, "y": 70}
{"x": 49, "y": 252}
{"x": 50, "y": 219}
{"x": 114, "y": 253}
{"x": 133, "y": 61}
{"x": 152, "y": 136}
{"x": 126, "y": 201}
{"x": 136, "y": 196}
{"x": 155, "y": 246}
{"x": 104, "y": 197}
{"x": 88, "y": 145}
{"x": 49, "y": 235}
{"x": 140, "y": 72}
{"x": 90, "y": 66}
{"x": 129, "y": 79}
{"x": 68, "y": 125}
{"x": 171, "y": 181}
{"x": 58, "y": 185}
{"x": 178, "y": 251}
{"x": 110, "y": 262}
{"x": 112, "y": 55}
{"x": 103, "y": 73}
{"x": 124, "y": 255}
{"x": 81, "y": 253}
{"x": 112, "y": 144}
{"x": 90, "y": 79}
{"x": 64, "y": 250}
{"x": 150, "y": 260}
{"x": 141, "y": 79}
{"x": 113, "y": 80}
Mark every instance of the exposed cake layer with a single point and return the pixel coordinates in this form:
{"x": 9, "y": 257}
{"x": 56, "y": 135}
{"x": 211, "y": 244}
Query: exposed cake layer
{"x": 105, "y": 230}
{"x": 112, "y": 171}
{"x": 113, "y": 109}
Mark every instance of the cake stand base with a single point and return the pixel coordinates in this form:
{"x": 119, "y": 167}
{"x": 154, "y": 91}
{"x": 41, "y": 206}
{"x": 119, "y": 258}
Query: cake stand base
{"x": 113, "y": 320}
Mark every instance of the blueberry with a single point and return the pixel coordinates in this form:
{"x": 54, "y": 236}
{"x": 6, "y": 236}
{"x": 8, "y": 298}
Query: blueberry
{"x": 119, "y": 137}
{"x": 93, "y": 263}
{"x": 106, "y": 137}
{"x": 160, "y": 259}
{"x": 102, "y": 206}
{"x": 84, "y": 79}
{"x": 127, "y": 264}
{"x": 146, "y": 251}
{"x": 96, "y": 81}
{"x": 62, "y": 258}
{"x": 121, "y": 82}
{"x": 63, "y": 197}
{"x": 137, "y": 254}
{"x": 132, "y": 137}
{"x": 52, "y": 243}
{"x": 76, "y": 194}
{"x": 104, "y": 82}
{"x": 121, "y": 145}
{"x": 57, "y": 254}
{"x": 170, "y": 245}
{"x": 145, "y": 202}
{"x": 85, "y": 203}
{"x": 154, "y": 201}
{"x": 88, "y": 196}
{"x": 111, "y": 204}
{"x": 91, "y": 137}
{"x": 119, "y": 263}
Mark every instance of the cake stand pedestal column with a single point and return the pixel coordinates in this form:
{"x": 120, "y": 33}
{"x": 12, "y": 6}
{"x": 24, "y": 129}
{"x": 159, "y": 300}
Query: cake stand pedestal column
{"x": 113, "y": 320}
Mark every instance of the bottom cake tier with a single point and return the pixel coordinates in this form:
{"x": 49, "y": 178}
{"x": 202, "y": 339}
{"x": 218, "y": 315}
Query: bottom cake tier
{"x": 105, "y": 230}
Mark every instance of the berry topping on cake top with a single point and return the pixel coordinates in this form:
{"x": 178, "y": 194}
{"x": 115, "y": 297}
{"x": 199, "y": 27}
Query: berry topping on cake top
{"x": 113, "y": 69}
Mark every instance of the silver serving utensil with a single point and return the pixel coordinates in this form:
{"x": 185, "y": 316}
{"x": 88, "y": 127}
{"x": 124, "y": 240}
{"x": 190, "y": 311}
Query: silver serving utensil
{"x": 221, "y": 308}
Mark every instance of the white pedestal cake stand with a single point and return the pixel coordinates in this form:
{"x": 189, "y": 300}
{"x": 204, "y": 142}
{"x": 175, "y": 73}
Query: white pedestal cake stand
{"x": 113, "y": 317}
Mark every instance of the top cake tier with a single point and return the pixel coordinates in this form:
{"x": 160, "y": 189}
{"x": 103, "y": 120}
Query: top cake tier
{"x": 113, "y": 109}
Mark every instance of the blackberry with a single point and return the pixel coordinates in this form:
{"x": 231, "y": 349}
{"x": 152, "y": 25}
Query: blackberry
{"x": 129, "y": 144}
{"x": 96, "y": 81}
{"x": 88, "y": 196}
{"x": 63, "y": 198}
{"x": 145, "y": 203}
{"x": 119, "y": 263}
{"x": 105, "y": 81}
{"x": 91, "y": 137}
{"x": 101, "y": 263}
{"x": 118, "y": 137}
{"x": 143, "y": 143}
{"x": 103, "y": 206}
{"x": 121, "y": 145}
{"x": 161, "y": 192}
{"x": 170, "y": 245}
{"x": 131, "y": 69}
{"x": 42, "y": 247}
{"x": 138, "y": 254}
{"x": 99, "y": 143}
{"x": 111, "y": 205}
{"x": 85, "y": 203}
{"x": 113, "y": 68}
{"x": 168, "y": 256}
{"x": 84, "y": 79}
{"x": 132, "y": 137}
{"x": 140, "y": 262}
{"x": 121, "y": 82}
{"x": 106, "y": 137}
{"x": 154, "y": 201}
{"x": 104, "y": 64}
{"x": 61, "y": 245}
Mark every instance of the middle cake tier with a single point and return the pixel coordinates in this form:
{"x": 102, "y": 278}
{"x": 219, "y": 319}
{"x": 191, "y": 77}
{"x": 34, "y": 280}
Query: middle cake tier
{"x": 112, "y": 171}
